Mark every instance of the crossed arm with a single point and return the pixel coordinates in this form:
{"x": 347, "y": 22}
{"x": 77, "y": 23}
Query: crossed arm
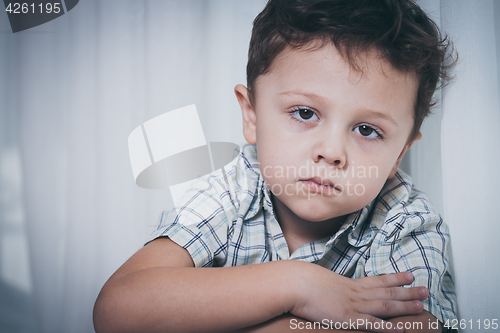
{"x": 159, "y": 290}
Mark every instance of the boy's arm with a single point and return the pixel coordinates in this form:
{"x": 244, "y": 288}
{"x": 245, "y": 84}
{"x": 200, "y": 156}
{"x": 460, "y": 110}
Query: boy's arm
{"x": 421, "y": 323}
{"x": 159, "y": 290}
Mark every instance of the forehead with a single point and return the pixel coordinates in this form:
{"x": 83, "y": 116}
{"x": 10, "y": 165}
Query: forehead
{"x": 323, "y": 72}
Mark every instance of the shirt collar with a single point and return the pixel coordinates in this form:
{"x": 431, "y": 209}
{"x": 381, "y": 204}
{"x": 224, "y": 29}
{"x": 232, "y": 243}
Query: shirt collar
{"x": 362, "y": 232}
{"x": 267, "y": 199}
{"x": 262, "y": 197}
{"x": 366, "y": 222}
{"x": 255, "y": 183}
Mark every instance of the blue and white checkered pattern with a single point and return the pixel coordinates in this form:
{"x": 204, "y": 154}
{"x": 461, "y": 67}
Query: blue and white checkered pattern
{"x": 227, "y": 219}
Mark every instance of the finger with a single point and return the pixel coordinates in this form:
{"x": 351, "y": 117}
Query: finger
{"x": 387, "y": 308}
{"x": 396, "y": 294}
{"x": 372, "y": 324}
{"x": 388, "y": 280}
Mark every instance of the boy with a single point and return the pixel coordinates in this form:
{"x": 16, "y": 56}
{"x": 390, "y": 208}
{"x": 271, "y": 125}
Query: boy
{"x": 337, "y": 91}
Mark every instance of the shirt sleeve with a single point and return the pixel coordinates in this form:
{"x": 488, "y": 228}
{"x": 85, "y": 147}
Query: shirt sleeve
{"x": 414, "y": 238}
{"x": 201, "y": 223}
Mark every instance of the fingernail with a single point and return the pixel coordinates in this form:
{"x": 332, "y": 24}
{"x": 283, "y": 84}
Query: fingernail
{"x": 409, "y": 276}
{"x": 418, "y": 306}
{"x": 422, "y": 291}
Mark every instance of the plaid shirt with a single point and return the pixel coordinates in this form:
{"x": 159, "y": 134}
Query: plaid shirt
{"x": 227, "y": 219}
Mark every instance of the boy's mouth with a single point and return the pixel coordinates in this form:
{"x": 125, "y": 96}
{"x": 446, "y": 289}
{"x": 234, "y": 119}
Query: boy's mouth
{"x": 324, "y": 186}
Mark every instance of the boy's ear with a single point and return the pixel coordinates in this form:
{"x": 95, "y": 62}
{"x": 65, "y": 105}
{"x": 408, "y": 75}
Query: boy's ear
{"x": 400, "y": 157}
{"x": 248, "y": 112}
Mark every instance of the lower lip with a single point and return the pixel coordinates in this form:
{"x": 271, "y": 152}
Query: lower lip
{"x": 318, "y": 188}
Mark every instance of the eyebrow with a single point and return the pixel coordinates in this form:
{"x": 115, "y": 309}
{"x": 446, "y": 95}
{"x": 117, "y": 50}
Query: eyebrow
{"x": 318, "y": 98}
{"x": 305, "y": 94}
{"x": 383, "y": 116}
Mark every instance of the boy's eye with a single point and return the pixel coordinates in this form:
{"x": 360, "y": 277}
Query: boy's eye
{"x": 304, "y": 114}
{"x": 367, "y": 132}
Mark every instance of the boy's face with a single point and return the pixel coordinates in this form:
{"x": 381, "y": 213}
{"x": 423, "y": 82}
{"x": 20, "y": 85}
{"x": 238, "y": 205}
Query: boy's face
{"x": 315, "y": 120}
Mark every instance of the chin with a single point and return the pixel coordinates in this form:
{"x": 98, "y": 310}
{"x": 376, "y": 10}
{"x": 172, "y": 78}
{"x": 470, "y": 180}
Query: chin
{"x": 315, "y": 215}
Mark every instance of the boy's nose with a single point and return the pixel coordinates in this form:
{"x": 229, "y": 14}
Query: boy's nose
{"x": 331, "y": 150}
{"x": 338, "y": 162}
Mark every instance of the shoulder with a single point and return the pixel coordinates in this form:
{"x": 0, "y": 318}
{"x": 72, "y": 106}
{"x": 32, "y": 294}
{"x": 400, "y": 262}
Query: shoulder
{"x": 225, "y": 184}
{"x": 205, "y": 215}
{"x": 401, "y": 208}
{"x": 411, "y": 236}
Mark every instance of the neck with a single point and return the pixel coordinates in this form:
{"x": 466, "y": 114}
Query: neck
{"x": 298, "y": 231}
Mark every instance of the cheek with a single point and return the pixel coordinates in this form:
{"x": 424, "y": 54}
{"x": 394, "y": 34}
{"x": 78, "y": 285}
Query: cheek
{"x": 276, "y": 166}
{"x": 369, "y": 173}
{"x": 274, "y": 150}
{"x": 372, "y": 184}
{"x": 267, "y": 138}
{"x": 376, "y": 156}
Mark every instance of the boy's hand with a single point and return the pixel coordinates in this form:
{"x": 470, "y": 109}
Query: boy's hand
{"x": 324, "y": 294}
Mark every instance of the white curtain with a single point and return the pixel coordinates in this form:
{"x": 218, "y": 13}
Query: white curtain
{"x": 74, "y": 88}
{"x": 457, "y": 160}
{"x": 470, "y": 146}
